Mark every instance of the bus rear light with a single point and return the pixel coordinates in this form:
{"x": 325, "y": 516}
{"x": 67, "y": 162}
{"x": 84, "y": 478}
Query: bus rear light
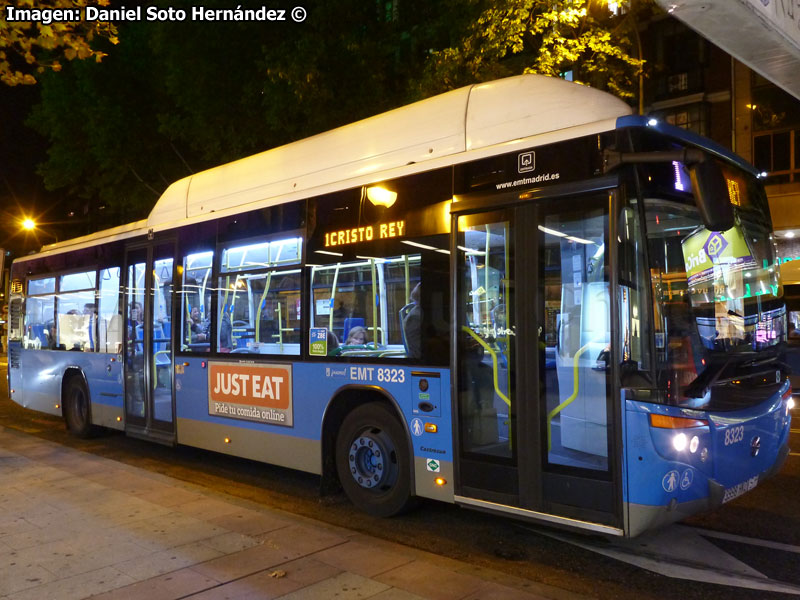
{"x": 787, "y": 395}
{"x": 667, "y": 422}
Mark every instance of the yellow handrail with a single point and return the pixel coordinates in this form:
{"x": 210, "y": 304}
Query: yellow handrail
{"x": 260, "y": 305}
{"x": 492, "y": 353}
{"x": 569, "y": 400}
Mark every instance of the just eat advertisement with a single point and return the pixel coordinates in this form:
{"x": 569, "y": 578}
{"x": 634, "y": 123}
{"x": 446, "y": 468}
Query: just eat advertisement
{"x": 260, "y": 393}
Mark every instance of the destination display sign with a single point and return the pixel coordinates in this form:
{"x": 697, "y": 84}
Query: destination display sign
{"x": 353, "y": 235}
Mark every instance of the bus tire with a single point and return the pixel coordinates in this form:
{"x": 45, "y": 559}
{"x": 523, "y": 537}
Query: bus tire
{"x": 372, "y": 460}
{"x": 78, "y": 409}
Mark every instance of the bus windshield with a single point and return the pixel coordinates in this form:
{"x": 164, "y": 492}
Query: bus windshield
{"x": 718, "y": 310}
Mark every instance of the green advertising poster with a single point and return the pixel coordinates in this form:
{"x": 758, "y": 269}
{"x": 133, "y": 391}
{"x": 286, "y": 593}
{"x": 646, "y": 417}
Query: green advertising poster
{"x": 318, "y": 341}
{"x": 703, "y": 250}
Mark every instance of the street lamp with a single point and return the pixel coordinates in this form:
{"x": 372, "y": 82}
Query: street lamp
{"x": 29, "y": 224}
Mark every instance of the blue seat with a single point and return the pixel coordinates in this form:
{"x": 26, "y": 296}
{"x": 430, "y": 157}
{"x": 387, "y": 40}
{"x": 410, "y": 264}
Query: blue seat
{"x": 37, "y": 332}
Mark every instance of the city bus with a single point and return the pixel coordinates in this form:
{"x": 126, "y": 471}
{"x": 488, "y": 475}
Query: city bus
{"x": 516, "y": 297}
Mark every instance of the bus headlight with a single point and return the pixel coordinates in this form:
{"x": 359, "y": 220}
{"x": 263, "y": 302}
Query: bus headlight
{"x": 679, "y": 442}
{"x": 693, "y": 445}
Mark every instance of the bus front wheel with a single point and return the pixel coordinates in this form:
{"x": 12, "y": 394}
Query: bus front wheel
{"x": 78, "y": 409}
{"x": 373, "y": 462}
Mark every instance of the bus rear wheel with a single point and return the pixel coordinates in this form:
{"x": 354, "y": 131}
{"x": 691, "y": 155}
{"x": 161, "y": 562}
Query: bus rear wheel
{"x": 78, "y": 409}
{"x": 373, "y": 462}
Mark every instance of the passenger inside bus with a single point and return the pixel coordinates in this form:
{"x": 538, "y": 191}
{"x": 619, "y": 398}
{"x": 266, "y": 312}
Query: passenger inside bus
{"x": 135, "y": 319}
{"x": 333, "y": 344}
{"x": 356, "y": 337}
{"x": 50, "y": 332}
{"x": 198, "y": 326}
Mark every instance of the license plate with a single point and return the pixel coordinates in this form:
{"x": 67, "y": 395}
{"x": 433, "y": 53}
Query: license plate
{"x": 739, "y": 489}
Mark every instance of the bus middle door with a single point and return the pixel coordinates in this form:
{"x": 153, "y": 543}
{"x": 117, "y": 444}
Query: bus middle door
{"x": 149, "y": 395}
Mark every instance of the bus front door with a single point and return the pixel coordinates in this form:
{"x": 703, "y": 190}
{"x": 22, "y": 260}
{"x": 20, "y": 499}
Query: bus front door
{"x": 533, "y": 397}
{"x": 149, "y": 398}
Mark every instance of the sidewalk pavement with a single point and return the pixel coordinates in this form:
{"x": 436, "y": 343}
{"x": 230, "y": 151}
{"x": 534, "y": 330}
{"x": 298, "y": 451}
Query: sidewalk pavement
{"x": 74, "y": 525}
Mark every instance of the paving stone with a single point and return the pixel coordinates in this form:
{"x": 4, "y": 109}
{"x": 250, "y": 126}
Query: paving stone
{"x": 75, "y": 588}
{"x": 167, "y": 587}
{"x": 273, "y": 582}
{"x": 362, "y": 559}
{"x": 167, "y": 561}
{"x": 19, "y": 576}
{"x": 167, "y": 496}
{"x": 250, "y": 522}
{"x": 395, "y": 594}
{"x": 303, "y": 539}
{"x": 345, "y": 586}
{"x": 89, "y": 558}
{"x": 17, "y": 524}
{"x": 170, "y": 530}
{"x": 432, "y": 581}
{"x": 247, "y": 562}
{"x": 206, "y": 508}
{"x": 232, "y": 541}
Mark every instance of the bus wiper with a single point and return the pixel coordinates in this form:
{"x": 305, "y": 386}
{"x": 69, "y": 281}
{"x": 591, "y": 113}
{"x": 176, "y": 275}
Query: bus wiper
{"x": 757, "y": 362}
{"x": 700, "y": 385}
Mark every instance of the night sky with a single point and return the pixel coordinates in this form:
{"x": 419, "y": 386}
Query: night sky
{"x": 22, "y": 191}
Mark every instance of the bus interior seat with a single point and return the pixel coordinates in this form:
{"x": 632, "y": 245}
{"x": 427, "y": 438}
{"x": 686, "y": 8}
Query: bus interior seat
{"x": 241, "y": 332}
{"x": 402, "y": 314}
{"x": 38, "y": 333}
{"x": 160, "y": 349}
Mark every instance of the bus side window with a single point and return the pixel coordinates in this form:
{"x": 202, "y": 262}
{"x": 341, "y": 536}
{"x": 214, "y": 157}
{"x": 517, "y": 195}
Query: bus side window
{"x": 259, "y": 297}
{"x": 109, "y": 319}
{"x": 76, "y": 312}
{"x": 368, "y": 306}
{"x": 196, "y": 302}
{"x": 39, "y": 313}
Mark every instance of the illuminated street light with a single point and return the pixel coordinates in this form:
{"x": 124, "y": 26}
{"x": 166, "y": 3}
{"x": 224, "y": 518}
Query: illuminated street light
{"x": 29, "y": 224}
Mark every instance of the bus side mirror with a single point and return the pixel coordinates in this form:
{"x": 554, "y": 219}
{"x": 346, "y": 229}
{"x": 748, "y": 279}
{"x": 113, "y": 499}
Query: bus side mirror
{"x": 711, "y": 194}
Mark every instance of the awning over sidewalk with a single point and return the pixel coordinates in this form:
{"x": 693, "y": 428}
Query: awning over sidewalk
{"x": 763, "y": 34}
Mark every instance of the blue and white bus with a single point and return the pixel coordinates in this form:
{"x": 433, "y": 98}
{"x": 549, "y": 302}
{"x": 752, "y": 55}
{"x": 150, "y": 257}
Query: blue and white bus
{"x": 516, "y": 297}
